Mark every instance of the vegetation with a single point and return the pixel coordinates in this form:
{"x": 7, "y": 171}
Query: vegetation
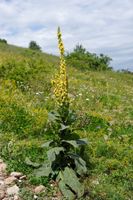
{"x": 64, "y": 162}
{"x": 82, "y": 59}
{"x": 104, "y": 115}
{"x": 34, "y": 46}
{"x": 3, "y": 41}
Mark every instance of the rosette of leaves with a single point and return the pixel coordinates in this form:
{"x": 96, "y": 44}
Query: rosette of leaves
{"x": 64, "y": 164}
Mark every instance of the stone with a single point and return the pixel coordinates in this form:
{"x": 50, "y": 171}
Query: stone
{"x": 1, "y": 183}
{"x": 35, "y": 196}
{"x": 1, "y": 161}
{"x": 95, "y": 182}
{"x": 10, "y": 180}
{"x": 39, "y": 189}
{"x": 2, "y": 194}
{"x": 16, "y": 174}
{"x": 1, "y": 177}
{"x": 2, "y": 167}
{"x": 13, "y": 190}
{"x": 16, "y": 197}
{"x": 22, "y": 177}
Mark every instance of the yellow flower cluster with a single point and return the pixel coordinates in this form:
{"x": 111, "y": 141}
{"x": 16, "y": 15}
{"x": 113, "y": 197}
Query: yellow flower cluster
{"x": 60, "y": 83}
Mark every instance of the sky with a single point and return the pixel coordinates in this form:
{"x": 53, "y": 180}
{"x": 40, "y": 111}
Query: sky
{"x": 101, "y": 26}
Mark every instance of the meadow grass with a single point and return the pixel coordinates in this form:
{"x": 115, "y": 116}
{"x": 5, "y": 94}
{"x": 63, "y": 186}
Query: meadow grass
{"x": 103, "y": 102}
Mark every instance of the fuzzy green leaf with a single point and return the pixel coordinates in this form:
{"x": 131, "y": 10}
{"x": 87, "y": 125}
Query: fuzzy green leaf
{"x": 53, "y": 116}
{"x": 63, "y": 127}
{"x": 80, "y": 166}
{"x": 53, "y": 152}
{"x": 80, "y": 163}
{"x": 83, "y": 141}
{"x": 66, "y": 191}
{"x": 47, "y": 144}
{"x": 44, "y": 170}
{"x": 77, "y": 143}
{"x": 69, "y": 178}
{"x": 30, "y": 163}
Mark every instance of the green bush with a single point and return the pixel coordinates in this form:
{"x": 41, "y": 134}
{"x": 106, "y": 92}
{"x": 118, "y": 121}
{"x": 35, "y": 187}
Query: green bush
{"x": 34, "y": 46}
{"x": 83, "y": 60}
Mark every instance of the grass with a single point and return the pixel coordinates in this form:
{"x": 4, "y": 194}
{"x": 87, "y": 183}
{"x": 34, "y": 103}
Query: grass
{"x": 103, "y": 102}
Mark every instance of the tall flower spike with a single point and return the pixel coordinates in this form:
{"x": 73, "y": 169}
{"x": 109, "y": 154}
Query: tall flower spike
{"x": 60, "y": 83}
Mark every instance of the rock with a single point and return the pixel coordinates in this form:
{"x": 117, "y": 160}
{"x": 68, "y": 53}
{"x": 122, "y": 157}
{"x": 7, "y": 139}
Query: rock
{"x": 1, "y": 183}
{"x": 39, "y": 189}
{"x": 2, "y": 167}
{"x": 20, "y": 181}
{"x": 10, "y": 180}
{"x": 16, "y": 197}
{"x": 2, "y": 194}
{"x": 6, "y": 198}
{"x": 1, "y": 161}
{"x": 35, "y": 196}
{"x": 13, "y": 190}
{"x": 16, "y": 174}
{"x": 22, "y": 177}
{"x": 95, "y": 182}
{"x": 1, "y": 177}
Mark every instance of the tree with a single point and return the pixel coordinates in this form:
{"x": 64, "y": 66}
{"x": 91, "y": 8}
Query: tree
{"x": 34, "y": 46}
{"x": 79, "y": 49}
{"x": 3, "y": 41}
{"x": 85, "y": 60}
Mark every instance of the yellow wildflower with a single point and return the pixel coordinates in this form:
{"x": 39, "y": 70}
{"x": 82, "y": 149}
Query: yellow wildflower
{"x": 60, "y": 83}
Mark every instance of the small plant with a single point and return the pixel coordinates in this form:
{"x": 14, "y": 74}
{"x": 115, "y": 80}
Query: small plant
{"x": 65, "y": 165}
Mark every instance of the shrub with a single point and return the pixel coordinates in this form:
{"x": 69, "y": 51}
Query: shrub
{"x": 34, "y": 46}
{"x": 3, "y": 41}
{"x": 85, "y": 60}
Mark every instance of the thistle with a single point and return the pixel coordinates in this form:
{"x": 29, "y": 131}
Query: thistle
{"x": 60, "y": 82}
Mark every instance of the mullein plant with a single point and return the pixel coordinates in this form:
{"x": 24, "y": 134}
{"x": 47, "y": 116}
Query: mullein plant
{"x": 64, "y": 164}
{"x": 60, "y": 83}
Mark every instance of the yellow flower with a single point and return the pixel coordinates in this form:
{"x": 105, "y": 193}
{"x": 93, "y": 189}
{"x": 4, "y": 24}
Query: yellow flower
{"x": 60, "y": 83}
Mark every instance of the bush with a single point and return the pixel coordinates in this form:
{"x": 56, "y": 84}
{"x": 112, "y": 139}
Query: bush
{"x": 3, "y": 41}
{"x": 34, "y": 46}
{"x": 85, "y": 60}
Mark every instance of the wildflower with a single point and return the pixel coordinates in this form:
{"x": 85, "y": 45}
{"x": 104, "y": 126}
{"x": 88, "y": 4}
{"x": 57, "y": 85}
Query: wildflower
{"x": 60, "y": 83}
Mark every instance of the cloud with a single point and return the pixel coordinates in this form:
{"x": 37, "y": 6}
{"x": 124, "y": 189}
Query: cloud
{"x": 101, "y": 26}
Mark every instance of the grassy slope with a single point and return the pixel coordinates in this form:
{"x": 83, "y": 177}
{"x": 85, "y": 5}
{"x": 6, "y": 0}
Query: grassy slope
{"x": 102, "y": 99}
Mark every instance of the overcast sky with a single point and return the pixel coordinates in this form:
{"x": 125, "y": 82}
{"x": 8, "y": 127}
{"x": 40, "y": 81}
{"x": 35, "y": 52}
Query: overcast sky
{"x": 102, "y": 26}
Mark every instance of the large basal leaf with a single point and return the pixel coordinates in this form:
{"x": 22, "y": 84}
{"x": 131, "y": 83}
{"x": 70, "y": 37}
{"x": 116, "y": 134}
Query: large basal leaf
{"x": 30, "y": 163}
{"x": 53, "y": 116}
{"x": 44, "y": 170}
{"x": 80, "y": 163}
{"x": 77, "y": 143}
{"x": 53, "y": 152}
{"x": 71, "y": 182}
{"x": 63, "y": 127}
{"x": 80, "y": 166}
{"x": 66, "y": 191}
{"x": 47, "y": 144}
{"x": 83, "y": 141}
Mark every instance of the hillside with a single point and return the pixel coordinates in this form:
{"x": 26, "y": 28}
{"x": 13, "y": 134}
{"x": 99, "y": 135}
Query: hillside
{"x": 103, "y": 102}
